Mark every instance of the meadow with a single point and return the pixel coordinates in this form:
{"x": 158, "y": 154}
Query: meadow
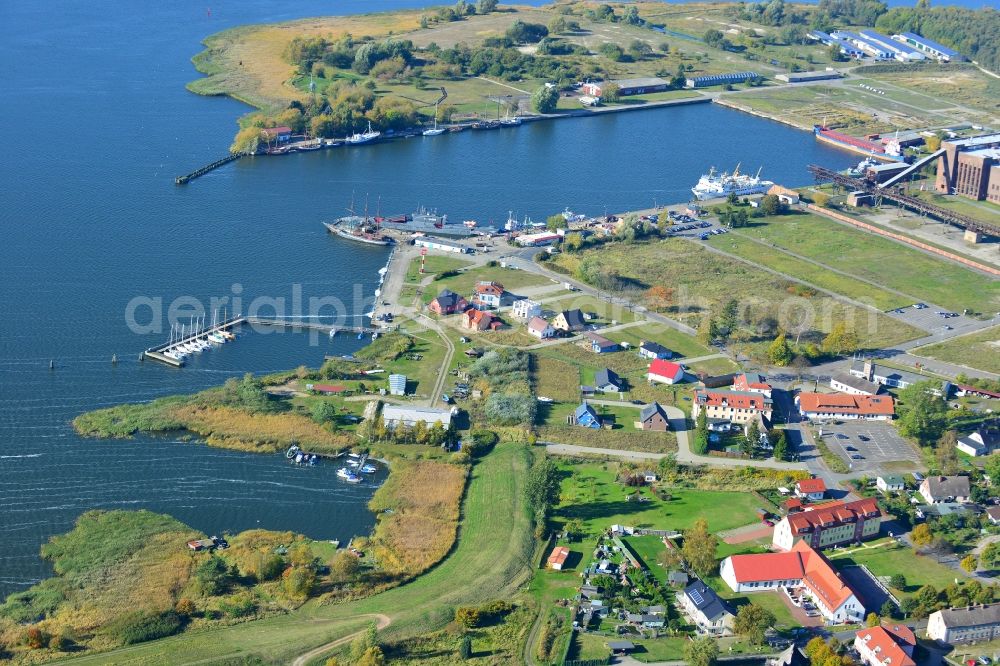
{"x": 980, "y": 350}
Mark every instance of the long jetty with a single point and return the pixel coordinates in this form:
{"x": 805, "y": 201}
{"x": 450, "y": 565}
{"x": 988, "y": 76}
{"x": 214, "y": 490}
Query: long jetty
{"x": 181, "y": 180}
{"x": 308, "y": 325}
{"x": 157, "y": 353}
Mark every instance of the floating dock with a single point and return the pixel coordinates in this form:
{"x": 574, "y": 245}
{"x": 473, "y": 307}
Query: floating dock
{"x": 157, "y": 353}
{"x": 183, "y": 180}
{"x": 308, "y": 325}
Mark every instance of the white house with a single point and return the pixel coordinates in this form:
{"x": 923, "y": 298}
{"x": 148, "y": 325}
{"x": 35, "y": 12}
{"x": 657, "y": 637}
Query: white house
{"x": 654, "y": 350}
{"x": 983, "y": 441}
{"x": 890, "y": 483}
{"x": 812, "y": 489}
{"x": 965, "y": 625}
{"x": 540, "y": 328}
{"x": 665, "y": 372}
{"x": 394, "y": 415}
{"x": 524, "y": 309}
{"x": 706, "y": 609}
{"x": 845, "y": 382}
{"x": 936, "y": 489}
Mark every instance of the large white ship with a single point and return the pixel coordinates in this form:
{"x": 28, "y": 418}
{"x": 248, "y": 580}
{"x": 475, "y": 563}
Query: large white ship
{"x": 714, "y": 186}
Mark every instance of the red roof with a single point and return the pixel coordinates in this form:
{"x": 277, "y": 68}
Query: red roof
{"x": 275, "y": 131}
{"x": 767, "y": 566}
{"x": 832, "y": 514}
{"x": 809, "y": 486}
{"x": 742, "y": 383}
{"x": 821, "y": 579}
{"x": 901, "y": 633}
{"x": 328, "y": 388}
{"x": 734, "y": 399}
{"x": 792, "y": 503}
{"x": 493, "y": 288}
{"x": 664, "y": 368}
{"x": 559, "y": 555}
{"x": 883, "y": 644}
{"x": 842, "y": 403}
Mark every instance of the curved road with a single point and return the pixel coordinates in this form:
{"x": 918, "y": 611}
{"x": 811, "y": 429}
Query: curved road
{"x": 382, "y": 621}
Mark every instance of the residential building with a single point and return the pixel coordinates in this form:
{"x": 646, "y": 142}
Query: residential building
{"x": 397, "y": 384}
{"x": 843, "y": 406}
{"x": 720, "y": 79}
{"x": 569, "y": 321}
{"x": 983, "y": 441}
{"x": 394, "y": 415}
{"x": 886, "y": 645}
{"x": 784, "y": 194}
{"x": 993, "y": 513}
{"x": 540, "y": 328}
{"x": 801, "y": 571}
{"x": 709, "y": 612}
{"x": 845, "y": 382}
{"x": 965, "y": 625}
{"x": 936, "y": 489}
{"x": 448, "y": 302}
{"x": 665, "y": 372}
{"x": 442, "y": 245}
{"x": 890, "y": 484}
{"x": 525, "y": 308}
{"x": 652, "y": 417}
{"x": 488, "y": 295}
{"x": 752, "y": 382}
{"x": 654, "y": 350}
{"x": 599, "y": 344}
{"x": 811, "y": 489}
{"x": 586, "y": 416}
{"x": 930, "y": 47}
{"x": 790, "y": 656}
{"x": 558, "y": 557}
{"x": 884, "y": 375}
{"x": 607, "y": 381}
{"x": 278, "y": 134}
{"x": 829, "y": 524}
{"x": 970, "y": 167}
{"x": 734, "y": 406}
{"x": 480, "y": 320}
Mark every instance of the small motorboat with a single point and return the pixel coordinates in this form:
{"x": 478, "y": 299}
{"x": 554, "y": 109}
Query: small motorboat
{"x": 299, "y": 457}
{"x": 292, "y": 450}
{"x": 361, "y": 336}
{"x": 313, "y": 460}
{"x": 368, "y": 469}
{"x": 348, "y": 475}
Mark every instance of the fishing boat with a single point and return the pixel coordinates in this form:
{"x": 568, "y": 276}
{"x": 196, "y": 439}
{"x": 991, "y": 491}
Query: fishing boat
{"x": 363, "y": 137}
{"x": 348, "y": 475}
{"x": 712, "y": 186}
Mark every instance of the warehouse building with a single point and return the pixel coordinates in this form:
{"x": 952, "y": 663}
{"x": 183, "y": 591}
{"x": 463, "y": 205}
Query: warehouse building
{"x": 930, "y": 47}
{"x": 432, "y": 243}
{"x": 803, "y": 77}
{"x": 720, "y": 79}
{"x": 971, "y": 168}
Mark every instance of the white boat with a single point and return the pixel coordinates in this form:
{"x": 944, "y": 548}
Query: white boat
{"x": 217, "y": 337}
{"x": 437, "y": 131}
{"x": 170, "y": 354}
{"x": 348, "y": 475}
{"x": 368, "y": 469}
{"x": 712, "y": 186}
{"x": 363, "y": 137}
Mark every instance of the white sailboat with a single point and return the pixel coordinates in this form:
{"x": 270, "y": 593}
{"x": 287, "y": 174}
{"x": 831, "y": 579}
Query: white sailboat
{"x": 436, "y": 130}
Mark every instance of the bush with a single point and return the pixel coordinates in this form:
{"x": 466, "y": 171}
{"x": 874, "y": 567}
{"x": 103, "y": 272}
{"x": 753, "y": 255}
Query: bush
{"x": 241, "y": 605}
{"x": 142, "y": 626}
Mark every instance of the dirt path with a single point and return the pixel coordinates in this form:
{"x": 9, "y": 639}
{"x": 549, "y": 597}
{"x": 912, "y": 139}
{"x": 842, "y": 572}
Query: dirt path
{"x": 382, "y": 621}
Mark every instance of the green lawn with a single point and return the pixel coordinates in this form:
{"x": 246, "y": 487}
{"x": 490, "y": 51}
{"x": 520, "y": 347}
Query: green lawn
{"x": 511, "y": 278}
{"x": 480, "y": 568}
{"x": 606, "y": 312}
{"x": 880, "y": 260}
{"x": 680, "y": 343}
{"x": 886, "y": 560}
{"x": 772, "y": 257}
{"x": 714, "y": 366}
{"x": 433, "y": 265}
{"x": 978, "y": 350}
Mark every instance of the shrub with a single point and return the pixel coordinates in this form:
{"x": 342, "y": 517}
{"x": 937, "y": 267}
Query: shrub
{"x": 468, "y": 616}
{"x": 240, "y": 605}
{"x": 142, "y": 626}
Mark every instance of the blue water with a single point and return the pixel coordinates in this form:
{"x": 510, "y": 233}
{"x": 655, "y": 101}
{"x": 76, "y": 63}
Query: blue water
{"x": 98, "y": 123}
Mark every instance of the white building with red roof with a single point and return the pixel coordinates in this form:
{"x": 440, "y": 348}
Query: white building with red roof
{"x": 752, "y": 382}
{"x": 818, "y": 406}
{"x": 802, "y": 571}
{"x": 890, "y": 644}
{"x": 665, "y": 372}
{"x": 736, "y": 406}
{"x": 811, "y": 489}
{"x": 829, "y": 524}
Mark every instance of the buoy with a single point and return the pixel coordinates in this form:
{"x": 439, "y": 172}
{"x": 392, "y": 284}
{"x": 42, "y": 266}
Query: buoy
{"x": 114, "y": 359}
{"x": 52, "y": 365}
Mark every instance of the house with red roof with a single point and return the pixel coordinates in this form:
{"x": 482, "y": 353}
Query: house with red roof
{"x": 819, "y": 406}
{"x": 802, "y": 572}
{"x": 558, "y": 557}
{"x": 480, "y": 320}
{"x": 829, "y": 524}
{"x": 447, "y": 302}
{"x": 752, "y": 382}
{"x": 810, "y": 489}
{"x": 488, "y": 295}
{"x": 735, "y": 406}
{"x": 279, "y": 134}
{"x": 890, "y": 644}
{"x": 663, "y": 371}
{"x": 540, "y": 328}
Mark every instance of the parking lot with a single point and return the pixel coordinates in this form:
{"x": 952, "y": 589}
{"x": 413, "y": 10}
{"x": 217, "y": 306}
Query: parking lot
{"x": 931, "y": 319}
{"x": 875, "y": 443}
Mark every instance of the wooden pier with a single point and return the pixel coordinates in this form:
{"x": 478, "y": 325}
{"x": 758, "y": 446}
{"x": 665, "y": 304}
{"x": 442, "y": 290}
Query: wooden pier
{"x": 309, "y": 325}
{"x": 182, "y": 180}
{"x": 157, "y": 353}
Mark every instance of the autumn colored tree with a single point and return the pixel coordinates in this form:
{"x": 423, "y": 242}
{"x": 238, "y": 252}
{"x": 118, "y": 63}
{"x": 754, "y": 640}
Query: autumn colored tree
{"x": 660, "y": 297}
{"x": 699, "y": 548}
{"x": 969, "y": 563}
{"x": 921, "y": 535}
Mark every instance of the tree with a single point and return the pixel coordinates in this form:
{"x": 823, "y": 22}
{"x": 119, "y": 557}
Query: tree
{"x": 780, "y": 445}
{"x": 921, "y": 535}
{"x": 185, "y": 607}
{"x": 344, "y": 566}
{"x": 840, "y": 340}
{"x": 898, "y": 581}
{"x": 212, "y": 576}
{"x": 612, "y": 51}
{"x": 699, "y": 548}
{"x": 610, "y": 92}
{"x": 922, "y": 415}
{"x": 992, "y": 467}
{"x": 770, "y": 204}
{"x": 701, "y": 433}
{"x": 545, "y": 99}
{"x": 887, "y": 610}
{"x": 364, "y": 644}
{"x": 932, "y": 143}
{"x": 945, "y": 455}
{"x": 526, "y": 33}
{"x": 872, "y": 620}
{"x": 486, "y": 6}
{"x": 708, "y": 330}
{"x": 969, "y": 563}
{"x": 465, "y": 647}
{"x": 660, "y": 297}
{"x": 373, "y": 656}
{"x": 701, "y": 651}
{"x": 821, "y": 199}
{"x": 752, "y": 621}
{"x": 639, "y": 50}
{"x": 557, "y": 25}
{"x": 729, "y": 319}
{"x": 780, "y": 352}
{"x": 247, "y": 140}
{"x": 713, "y": 38}
{"x": 324, "y": 412}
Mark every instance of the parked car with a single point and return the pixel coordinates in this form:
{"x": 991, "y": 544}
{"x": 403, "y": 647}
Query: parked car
{"x": 857, "y": 456}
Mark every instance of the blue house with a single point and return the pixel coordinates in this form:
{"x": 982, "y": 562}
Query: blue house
{"x": 586, "y": 416}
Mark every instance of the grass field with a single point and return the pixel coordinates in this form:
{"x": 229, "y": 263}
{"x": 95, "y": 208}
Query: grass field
{"x": 480, "y": 568}
{"x": 433, "y": 265}
{"x": 704, "y": 281}
{"x": 681, "y": 344}
{"x": 511, "y": 278}
{"x": 772, "y": 257}
{"x": 886, "y": 559}
{"x": 978, "y": 350}
{"x": 865, "y": 255}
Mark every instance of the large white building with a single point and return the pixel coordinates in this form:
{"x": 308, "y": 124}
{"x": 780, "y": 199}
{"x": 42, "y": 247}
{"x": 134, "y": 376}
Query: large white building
{"x": 394, "y": 415}
{"x": 524, "y": 309}
{"x": 799, "y": 572}
{"x": 965, "y": 625}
